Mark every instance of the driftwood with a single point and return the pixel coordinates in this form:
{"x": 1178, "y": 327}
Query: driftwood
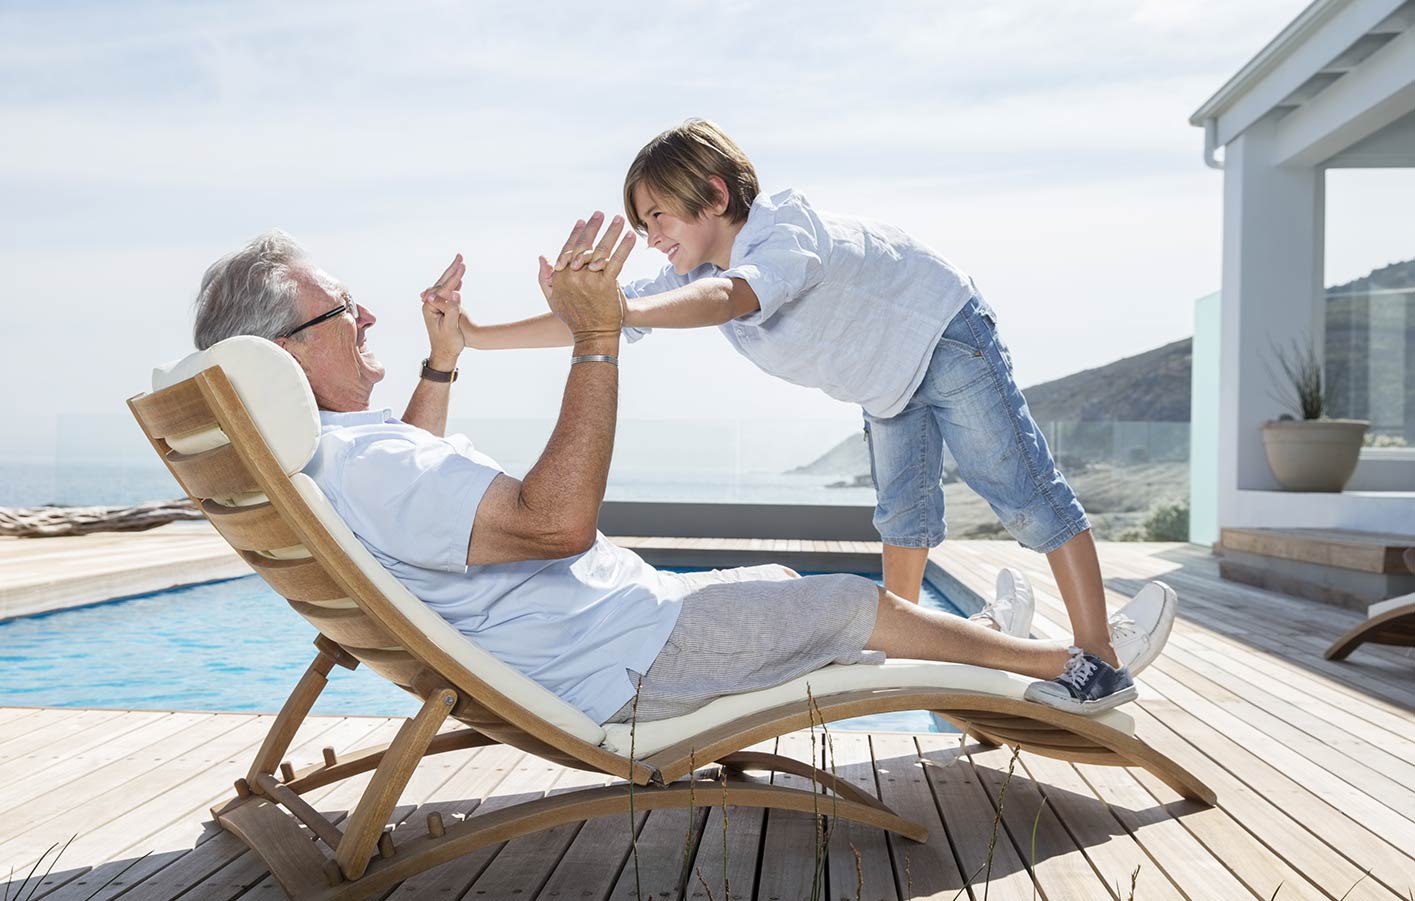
{"x": 48, "y": 522}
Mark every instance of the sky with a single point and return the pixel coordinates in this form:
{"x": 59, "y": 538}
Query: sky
{"x": 1043, "y": 148}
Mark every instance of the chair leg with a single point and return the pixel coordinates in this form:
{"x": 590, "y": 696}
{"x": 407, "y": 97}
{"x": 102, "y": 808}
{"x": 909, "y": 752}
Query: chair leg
{"x": 390, "y": 778}
{"x": 759, "y": 760}
{"x": 296, "y": 708}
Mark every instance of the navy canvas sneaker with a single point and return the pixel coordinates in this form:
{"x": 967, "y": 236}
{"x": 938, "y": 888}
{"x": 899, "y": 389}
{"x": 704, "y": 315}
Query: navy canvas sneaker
{"x": 1088, "y": 686}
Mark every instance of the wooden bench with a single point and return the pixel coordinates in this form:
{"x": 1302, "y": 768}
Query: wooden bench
{"x": 1343, "y": 567}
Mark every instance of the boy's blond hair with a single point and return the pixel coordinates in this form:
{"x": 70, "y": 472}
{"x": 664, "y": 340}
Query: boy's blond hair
{"x": 675, "y": 168}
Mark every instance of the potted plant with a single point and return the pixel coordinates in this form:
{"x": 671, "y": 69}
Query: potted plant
{"x": 1309, "y": 452}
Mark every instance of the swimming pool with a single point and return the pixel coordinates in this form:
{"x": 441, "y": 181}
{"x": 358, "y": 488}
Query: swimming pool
{"x": 229, "y": 646}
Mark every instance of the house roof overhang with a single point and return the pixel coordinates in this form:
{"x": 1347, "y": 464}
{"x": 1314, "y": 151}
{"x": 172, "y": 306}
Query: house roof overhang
{"x": 1367, "y": 44}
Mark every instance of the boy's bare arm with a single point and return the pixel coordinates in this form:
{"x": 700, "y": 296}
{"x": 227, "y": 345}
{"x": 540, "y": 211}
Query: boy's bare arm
{"x": 545, "y": 330}
{"x": 707, "y": 301}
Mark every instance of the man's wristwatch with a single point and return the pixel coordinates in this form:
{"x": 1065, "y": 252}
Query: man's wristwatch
{"x": 437, "y": 375}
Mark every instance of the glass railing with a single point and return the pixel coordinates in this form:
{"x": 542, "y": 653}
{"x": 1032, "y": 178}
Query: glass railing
{"x": 1370, "y": 361}
{"x": 1125, "y": 473}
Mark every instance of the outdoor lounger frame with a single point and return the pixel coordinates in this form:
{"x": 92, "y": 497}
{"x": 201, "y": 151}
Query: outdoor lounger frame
{"x": 1391, "y": 622}
{"x": 259, "y": 505}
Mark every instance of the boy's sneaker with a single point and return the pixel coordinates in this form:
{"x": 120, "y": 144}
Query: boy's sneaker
{"x": 1013, "y": 607}
{"x": 1139, "y": 630}
{"x": 1087, "y": 686}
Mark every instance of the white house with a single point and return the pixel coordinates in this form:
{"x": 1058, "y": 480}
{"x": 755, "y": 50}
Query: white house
{"x": 1336, "y": 89}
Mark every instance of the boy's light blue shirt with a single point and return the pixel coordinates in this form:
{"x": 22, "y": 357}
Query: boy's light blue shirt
{"x": 572, "y": 624}
{"x": 850, "y": 306}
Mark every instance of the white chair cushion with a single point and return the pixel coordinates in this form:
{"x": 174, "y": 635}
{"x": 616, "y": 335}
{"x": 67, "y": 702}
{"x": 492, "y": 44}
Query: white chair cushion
{"x": 271, "y": 385}
{"x": 1389, "y": 604}
{"x": 834, "y": 679}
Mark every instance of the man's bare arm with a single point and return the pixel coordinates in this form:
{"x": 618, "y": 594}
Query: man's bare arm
{"x": 427, "y": 408}
{"x": 707, "y": 301}
{"x": 554, "y": 511}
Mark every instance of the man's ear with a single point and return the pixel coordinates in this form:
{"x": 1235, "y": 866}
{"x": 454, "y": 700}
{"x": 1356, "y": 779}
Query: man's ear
{"x": 289, "y": 345}
{"x": 719, "y": 188}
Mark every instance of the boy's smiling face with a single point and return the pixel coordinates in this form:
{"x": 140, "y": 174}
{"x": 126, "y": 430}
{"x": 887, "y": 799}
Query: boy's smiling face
{"x": 688, "y": 243}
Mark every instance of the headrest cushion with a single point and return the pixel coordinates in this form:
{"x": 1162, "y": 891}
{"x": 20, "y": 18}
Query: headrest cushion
{"x": 272, "y": 386}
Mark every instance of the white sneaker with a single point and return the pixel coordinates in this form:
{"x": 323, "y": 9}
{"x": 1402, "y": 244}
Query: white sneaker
{"x": 1013, "y": 607}
{"x": 1139, "y": 630}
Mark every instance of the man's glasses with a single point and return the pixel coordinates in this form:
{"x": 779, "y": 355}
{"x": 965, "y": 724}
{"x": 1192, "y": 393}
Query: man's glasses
{"x": 347, "y": 306}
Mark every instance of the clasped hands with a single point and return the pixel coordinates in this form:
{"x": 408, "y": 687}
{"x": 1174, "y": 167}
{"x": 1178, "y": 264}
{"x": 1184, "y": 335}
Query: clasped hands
{"x": 583, "y": 287}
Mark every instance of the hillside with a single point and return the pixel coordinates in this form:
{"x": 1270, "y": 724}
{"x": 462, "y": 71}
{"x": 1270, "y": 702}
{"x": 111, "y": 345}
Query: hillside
{"x": 1149, "y": 387}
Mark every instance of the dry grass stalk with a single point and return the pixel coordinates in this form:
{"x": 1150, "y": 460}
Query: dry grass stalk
{"x": 633, "y": 830}
{"x": 703, "y": 883}
{"x": 726, "y": 883}
{"x": 822, "y": 830}
{"x": 992, "y": 842}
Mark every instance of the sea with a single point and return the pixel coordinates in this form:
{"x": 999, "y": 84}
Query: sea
{"x": 69, "y": 483}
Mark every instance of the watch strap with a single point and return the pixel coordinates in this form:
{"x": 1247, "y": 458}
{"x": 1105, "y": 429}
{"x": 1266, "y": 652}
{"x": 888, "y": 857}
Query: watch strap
{"x": 438, "y": 375}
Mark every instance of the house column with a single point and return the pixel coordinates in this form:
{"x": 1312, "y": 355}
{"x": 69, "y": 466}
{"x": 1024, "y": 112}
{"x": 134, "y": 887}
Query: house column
{"x": 1273, "y": 249}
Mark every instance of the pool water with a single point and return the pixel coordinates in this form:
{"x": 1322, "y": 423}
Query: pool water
{"x": 230, "y": 646}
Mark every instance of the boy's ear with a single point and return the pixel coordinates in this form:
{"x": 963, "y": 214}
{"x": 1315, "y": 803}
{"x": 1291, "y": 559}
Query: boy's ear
{"x": 719, "y": 188}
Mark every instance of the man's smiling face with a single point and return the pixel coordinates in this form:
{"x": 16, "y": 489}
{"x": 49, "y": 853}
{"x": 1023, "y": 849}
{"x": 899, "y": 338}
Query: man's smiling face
{"x": 334, "y": 354}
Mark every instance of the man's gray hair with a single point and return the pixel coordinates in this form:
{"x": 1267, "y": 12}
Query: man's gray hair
{"x": 250, "y": 292}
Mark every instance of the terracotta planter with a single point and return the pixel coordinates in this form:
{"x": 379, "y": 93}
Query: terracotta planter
{"x": 1313, "y": 454}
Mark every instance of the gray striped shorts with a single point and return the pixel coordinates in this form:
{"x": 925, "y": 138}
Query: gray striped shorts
{"x": 754, "y": 628}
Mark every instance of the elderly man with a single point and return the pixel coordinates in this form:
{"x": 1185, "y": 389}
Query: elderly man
{"x": 518, "y": 565}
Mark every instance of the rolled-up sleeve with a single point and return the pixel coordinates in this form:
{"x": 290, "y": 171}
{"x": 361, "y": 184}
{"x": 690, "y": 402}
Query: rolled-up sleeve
{"x": 783, "y": 264}
{"x": 416, "y": 502}
{"x": 666, "y": 280}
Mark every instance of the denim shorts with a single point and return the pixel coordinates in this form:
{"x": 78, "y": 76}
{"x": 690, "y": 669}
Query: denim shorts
{"x": 969, "y": 402}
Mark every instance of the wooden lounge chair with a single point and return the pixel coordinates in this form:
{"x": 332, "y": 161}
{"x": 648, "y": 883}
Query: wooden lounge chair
{"x": 237, "y": 423}
{"x": 1391, "y": 621}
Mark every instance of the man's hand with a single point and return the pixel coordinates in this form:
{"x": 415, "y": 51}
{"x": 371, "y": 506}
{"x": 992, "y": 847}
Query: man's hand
{"x": 442, "y": 307}
{"x": 587, "y": 300}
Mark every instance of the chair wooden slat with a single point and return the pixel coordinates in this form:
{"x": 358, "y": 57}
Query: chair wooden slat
{"x": 178, "y": 410}
{"x": 254, "y": 528}
{"x": 296, "y": 580}
{"x": 218, "y": 472}
{"x": 349, "y": 626}
{"x": 397, "y": 667}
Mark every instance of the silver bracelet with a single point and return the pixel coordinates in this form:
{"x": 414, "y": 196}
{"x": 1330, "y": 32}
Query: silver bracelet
{"x": 594, "y": 358}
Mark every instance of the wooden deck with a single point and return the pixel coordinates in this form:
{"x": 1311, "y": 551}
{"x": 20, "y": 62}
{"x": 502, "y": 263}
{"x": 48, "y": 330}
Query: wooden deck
{"x": 38, "y": 575}
{"x": 1314, "y": 764}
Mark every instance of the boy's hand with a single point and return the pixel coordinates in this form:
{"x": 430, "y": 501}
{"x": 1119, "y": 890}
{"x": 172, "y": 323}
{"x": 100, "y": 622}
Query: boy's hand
{"x": 546, "y": 279}
{"x": 442, "y": 306}
{"x": 588, "y": 301}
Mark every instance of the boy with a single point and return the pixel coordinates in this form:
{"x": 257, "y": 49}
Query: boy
{"x": 871, "y": 316}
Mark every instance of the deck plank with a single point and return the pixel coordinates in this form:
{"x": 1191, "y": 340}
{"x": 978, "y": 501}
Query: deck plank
{"x": 871, "y": 876}
{"x": 726, "y": 862}
{"x": 1059, "y": 867}
{"x": 207, "y": 847}
{"x": 927, "y": 870}
{"x": 985, "y": 856}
